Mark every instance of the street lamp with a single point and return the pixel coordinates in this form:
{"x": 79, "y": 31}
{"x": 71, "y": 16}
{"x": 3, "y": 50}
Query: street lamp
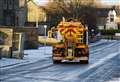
{"x": 87, "y": 34}
{"x": 93, "y": 34}
{"x": 36, "y": 17}
{"x": 45, "y": 27}
{"x": 92, "y": 30}
{"x": 45, "y": 35}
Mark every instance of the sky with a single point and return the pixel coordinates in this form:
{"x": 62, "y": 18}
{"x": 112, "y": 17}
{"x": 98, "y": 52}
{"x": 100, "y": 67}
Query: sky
{"x": 41, "y": 2}
{"x": 111, "y": 2}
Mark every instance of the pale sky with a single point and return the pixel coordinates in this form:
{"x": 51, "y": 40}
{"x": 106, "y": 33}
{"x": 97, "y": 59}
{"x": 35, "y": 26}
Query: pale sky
{"x": 111, "y": 2}
{"x": 41, "y": 2}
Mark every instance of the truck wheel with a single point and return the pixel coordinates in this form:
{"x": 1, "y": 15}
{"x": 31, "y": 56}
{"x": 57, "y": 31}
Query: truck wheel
{"x": 84, "y": 61}
{"x": 56, "y": 61}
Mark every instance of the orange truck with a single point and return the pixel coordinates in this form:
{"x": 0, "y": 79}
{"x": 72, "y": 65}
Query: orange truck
{"x": 72, "y": 44}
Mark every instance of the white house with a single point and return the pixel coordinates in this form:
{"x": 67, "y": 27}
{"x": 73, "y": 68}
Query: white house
{"x": 111, "y": 20}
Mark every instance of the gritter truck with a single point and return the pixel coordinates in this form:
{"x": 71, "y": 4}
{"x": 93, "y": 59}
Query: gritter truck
{"x": 72, "y": 44}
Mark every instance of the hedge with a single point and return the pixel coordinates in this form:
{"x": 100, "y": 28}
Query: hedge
{"x": 109, "y": 32}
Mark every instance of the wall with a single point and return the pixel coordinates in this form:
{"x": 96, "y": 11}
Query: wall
{"x": 31, "y": 36}
{"x": 12, "y": 13}
{"x": 35, "y": 13}
{"x": 7, "y": 45}
{"x": 9, "y": 33}
{"x": 31, "y": 39}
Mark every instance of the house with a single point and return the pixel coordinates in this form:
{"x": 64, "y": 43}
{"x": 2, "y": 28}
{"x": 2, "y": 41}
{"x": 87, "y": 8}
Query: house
{"x": 13, "y": 12}
{"x": 102, "y": 15}
{"x": 105, "y": 15}
{"x": 36, "y": 17}
{"x": 111, "y": 20}
{"x": 35, "y": 14}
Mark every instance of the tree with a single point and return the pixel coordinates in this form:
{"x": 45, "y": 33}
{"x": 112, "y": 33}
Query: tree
{"x": 86, "y": 13}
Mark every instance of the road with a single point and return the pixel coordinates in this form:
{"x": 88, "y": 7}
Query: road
{"x": 104, "y": 66}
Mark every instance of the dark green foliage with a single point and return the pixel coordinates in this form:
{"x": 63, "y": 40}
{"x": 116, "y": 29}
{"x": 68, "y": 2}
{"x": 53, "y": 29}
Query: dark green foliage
{"x": 109, "y": 32}
{"x": 1, "y": 17}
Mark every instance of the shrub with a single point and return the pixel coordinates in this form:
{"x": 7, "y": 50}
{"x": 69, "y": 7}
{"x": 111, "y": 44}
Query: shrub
{"x": 109, "y": 32}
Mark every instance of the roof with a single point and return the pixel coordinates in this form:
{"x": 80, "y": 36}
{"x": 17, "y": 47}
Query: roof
{"x": 103, "y": 12}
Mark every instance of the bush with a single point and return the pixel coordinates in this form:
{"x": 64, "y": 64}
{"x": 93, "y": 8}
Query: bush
{"x": 109, "y": 32}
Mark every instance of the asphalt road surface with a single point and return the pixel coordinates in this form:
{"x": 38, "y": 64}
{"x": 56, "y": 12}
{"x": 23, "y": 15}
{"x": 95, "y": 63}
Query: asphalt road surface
{"x": 104, "y": 66}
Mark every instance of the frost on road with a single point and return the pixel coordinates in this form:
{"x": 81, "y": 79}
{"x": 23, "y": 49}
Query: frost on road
{"x": 104, "y": 66}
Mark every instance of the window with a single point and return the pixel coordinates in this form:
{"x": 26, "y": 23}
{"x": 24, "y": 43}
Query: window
{"x": 111, "y": 15}
{"x": 5, "y": 1}
{"x": 10, "y": 2}
{"x": 111, "y": 19}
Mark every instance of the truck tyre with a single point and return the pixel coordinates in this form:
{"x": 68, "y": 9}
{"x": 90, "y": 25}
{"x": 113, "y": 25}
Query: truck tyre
{"x": 84, "y": 61}
{"x": 56, "y": 61}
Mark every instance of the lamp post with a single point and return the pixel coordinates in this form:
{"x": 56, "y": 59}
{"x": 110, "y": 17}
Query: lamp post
{"x": 87, "y": 37}
{"x": 36, "y": 17}
{"x": 92, "y": 34}
{"x": 45, "y": 27}
{"x": 92, "y": 30}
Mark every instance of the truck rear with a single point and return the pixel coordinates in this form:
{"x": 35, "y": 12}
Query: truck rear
{"x": 72, "y": 43}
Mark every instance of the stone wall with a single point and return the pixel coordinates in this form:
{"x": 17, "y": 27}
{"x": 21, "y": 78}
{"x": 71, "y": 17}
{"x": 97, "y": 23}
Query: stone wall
{"x": 9, "y": 34}
{"x": 31, "y": 36}
{"x": 9, "y": 45}
{"x": 7, "y": 41}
